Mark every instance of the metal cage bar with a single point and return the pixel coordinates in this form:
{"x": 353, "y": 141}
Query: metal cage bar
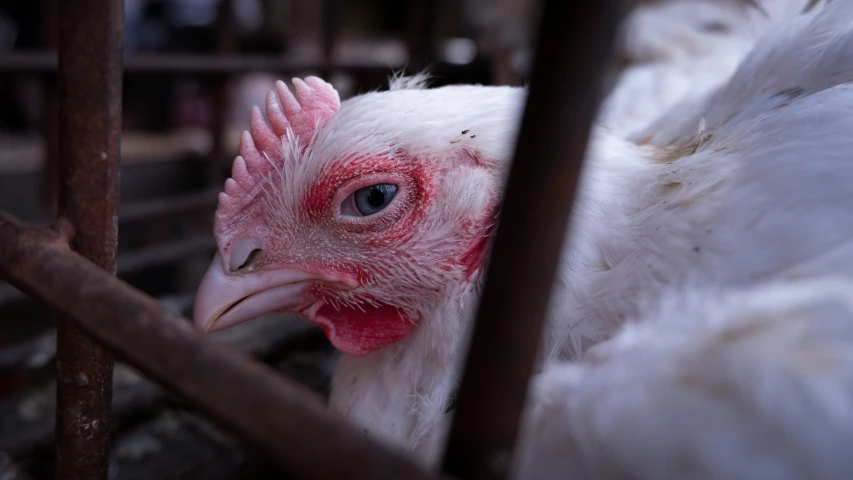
{"x": 420, "y": 35}
{"x": 330, "y": 26}
{"x": 573, "y": 49}
{"x": 90, "y": 95}
{"x": 226, "y": 47}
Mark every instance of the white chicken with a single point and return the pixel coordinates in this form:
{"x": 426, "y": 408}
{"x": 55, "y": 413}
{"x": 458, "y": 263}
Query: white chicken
{"x": 679, "y": 49}
{"x": 722, "y": 232}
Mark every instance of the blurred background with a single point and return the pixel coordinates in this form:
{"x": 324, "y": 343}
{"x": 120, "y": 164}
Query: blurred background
{"x": 193, "y": 69}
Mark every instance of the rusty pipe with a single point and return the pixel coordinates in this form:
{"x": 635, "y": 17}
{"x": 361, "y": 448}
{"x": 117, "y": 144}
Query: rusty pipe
{"x": 89, "y": 81}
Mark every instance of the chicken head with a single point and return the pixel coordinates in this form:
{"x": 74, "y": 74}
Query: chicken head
{"x": 359, "y": 217}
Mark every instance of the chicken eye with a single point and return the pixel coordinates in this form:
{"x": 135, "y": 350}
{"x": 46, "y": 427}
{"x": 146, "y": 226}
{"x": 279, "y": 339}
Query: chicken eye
{"x": 373, "y": 199}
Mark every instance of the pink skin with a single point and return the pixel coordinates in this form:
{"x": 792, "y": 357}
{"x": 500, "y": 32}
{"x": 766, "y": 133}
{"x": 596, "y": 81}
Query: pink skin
{"x": 328, "y": 265}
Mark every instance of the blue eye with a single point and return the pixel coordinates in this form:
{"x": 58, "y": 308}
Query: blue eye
{"x": 373, "y": 199}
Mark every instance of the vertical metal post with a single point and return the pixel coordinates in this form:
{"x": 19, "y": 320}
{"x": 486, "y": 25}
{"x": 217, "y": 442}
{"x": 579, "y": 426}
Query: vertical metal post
{"x": 331, "y": 22}
{"x": 226, "y": 29}
{"x": 574, "y": 46}
{"x": 226, "y": 45}
{"x": 90, "y": 87}
{"x": 421, "y": 33}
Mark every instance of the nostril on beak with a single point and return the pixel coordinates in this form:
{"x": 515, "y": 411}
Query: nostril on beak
{"x": 245, "y": 254}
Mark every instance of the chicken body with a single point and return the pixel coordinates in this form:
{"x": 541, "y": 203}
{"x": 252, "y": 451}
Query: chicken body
{"x": 693, "y": 230}
{"x": 679, "y": 49}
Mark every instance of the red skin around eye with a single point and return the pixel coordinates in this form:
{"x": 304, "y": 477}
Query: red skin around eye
{"x": 364, "y": 329}
{"x": 423, "y": 174}
{"x": 317, "y": 199}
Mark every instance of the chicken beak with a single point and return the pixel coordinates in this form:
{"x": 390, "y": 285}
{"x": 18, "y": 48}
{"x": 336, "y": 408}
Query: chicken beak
{"x": 224, "y": 300}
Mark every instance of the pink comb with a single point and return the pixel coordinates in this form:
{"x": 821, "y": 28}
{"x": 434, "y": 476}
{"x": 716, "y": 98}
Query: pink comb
{"x": 316, "y": 101}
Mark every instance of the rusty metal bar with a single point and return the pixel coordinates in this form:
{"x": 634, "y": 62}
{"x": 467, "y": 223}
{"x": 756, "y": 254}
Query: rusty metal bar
{"x": 133, "y": 262}
{"x": 226, "y": 29}
{"x": 330, "y": 27}
{"x": 575, "y": 42}
{"x": 421, "y": 30}
{"x": 136, "y": 261}
{"x": 279, "y": 416}
{"x": 207, "y": 64}
{"x": 226, "y": 47}
{"x": 265, "y": 339}
{"x": 90, "y": 85}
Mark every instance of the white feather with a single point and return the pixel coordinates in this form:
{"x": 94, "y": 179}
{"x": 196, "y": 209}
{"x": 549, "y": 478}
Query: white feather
{"x": 731, "y": 383}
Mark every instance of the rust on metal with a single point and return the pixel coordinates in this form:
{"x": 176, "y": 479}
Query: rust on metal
{"x": 89, "y": 81}
{"x": 132, "y": 396}
{"x": 279, "y": 416}
{"x": 574, "y": 44}
{"x": 421, "y": 33}
{"x": 226, "y": 28}
{"x": 137, "y": 261}
{"x": 330, "y": 28}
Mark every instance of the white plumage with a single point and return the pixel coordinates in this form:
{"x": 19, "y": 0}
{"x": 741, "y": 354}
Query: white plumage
{"x": 739, "y": 383}
{"x": 721, "y": 379}
{"x": 726, "y": 202}
{"x": 710, "y": 256}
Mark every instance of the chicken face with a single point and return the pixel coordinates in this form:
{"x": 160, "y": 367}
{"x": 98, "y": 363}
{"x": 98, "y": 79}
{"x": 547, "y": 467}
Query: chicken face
{"x": 357, "y": 220}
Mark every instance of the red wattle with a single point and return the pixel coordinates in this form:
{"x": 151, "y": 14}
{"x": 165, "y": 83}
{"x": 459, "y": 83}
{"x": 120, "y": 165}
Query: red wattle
{"x": 360, "y": 333}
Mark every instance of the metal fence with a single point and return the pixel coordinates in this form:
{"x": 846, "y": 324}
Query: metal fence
{"x": 71, "y": 265}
